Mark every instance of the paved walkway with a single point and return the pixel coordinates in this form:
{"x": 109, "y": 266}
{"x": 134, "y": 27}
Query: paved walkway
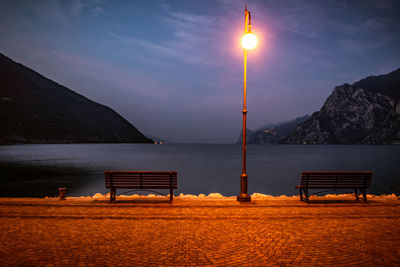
{"x": 150, "y": 232}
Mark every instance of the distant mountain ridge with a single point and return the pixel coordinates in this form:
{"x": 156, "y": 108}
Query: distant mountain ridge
{"x": 271, "y": 133}
{"x": 367, "y": 112}
{"x": 388, "y": 84}
{"x": 35, "y": 109}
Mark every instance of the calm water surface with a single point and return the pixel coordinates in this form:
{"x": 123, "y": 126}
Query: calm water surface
{"x": 38, "y": 170}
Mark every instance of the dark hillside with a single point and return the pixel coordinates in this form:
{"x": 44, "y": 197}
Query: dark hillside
{"x": 34, "y": 109}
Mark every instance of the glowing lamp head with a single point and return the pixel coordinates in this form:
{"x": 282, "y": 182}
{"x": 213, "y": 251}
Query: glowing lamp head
{"x": 249, "y": 40}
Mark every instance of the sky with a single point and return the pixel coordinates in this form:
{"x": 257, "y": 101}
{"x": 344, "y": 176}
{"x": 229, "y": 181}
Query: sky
{"x": 174, "y": 69}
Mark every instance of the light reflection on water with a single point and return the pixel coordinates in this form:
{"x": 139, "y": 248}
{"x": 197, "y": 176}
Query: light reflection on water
{"x": 38, "y": 170}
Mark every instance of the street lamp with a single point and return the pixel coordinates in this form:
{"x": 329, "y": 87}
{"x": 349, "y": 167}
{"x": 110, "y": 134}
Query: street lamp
{"x": 249, "y": 41}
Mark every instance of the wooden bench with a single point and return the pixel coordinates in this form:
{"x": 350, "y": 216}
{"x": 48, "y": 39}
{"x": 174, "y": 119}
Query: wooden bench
{"x": 141, "y": 180}
{"x": 334, "y": 181}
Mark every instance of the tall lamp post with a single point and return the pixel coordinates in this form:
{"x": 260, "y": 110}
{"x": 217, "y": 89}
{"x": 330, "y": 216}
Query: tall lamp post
{"x": 249, "y": 41}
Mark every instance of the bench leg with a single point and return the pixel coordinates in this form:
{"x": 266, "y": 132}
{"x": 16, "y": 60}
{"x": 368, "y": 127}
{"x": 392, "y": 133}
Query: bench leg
{"x": 306, "y": 193}
{"x": 364, "y": 193}
{"x": 113, "y": 192}
{"x": 171, "y": 195}
{"x": 355, "y": 192}
{"x": 301, "y": 194}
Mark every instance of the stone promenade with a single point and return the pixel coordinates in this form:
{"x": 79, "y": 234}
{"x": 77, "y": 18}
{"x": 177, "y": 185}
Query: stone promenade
{"x": 199, "y": 232}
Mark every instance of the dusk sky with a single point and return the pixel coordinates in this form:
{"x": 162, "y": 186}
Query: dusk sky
{"x": 174, "y": 69}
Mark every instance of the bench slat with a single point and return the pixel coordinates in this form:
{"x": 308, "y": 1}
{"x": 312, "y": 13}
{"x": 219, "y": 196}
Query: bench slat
{"x": 144, "y": 180}
{"x": 336, "y": 182}
{"x": 144, "y": 183}
{"x": 116, "y": 185}
{"x": 333, "y": 187}
{"x": 145, "y": 187}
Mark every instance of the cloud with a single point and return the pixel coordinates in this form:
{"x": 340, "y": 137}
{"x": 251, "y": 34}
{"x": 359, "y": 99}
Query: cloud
{"x": 361, "y": 46}
{"x": 191, "y": 33}
{"x": 98, "y": 10}
{"x": 76, "y": 7}
{"x": 191, "y": 40}
{"x": 385, "y": 5}
{"x": 199, "y": 20}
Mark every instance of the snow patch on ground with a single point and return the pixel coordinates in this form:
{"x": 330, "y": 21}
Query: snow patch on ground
{"x": 254, "y": 196}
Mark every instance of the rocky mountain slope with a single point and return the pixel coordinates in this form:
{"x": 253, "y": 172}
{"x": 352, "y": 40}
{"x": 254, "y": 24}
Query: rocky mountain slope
{"x": 272, "y": 133}
{"x": 34, "y": 109}
{"x": 367, "y": 112}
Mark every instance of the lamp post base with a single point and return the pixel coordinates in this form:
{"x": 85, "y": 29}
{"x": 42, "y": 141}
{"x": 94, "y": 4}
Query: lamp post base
{"x": 243, "y": 198}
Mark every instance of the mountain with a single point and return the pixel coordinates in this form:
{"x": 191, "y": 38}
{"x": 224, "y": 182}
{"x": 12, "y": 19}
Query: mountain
{"x": 388, "y": 84}
{"x": 367, "y": 112}
{"x": 34, "y": 109}
{"x": 271, "y": 133}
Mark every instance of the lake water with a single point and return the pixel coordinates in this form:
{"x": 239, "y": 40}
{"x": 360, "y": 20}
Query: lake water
{"x": 39, "y": 170}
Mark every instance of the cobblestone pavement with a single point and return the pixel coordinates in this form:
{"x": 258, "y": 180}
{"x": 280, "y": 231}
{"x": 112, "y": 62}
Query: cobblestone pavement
{"x": 147, "y": 232}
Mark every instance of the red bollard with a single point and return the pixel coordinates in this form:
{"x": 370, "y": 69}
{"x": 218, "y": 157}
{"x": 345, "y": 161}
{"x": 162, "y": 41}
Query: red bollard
{"x": 62, "y": 191}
